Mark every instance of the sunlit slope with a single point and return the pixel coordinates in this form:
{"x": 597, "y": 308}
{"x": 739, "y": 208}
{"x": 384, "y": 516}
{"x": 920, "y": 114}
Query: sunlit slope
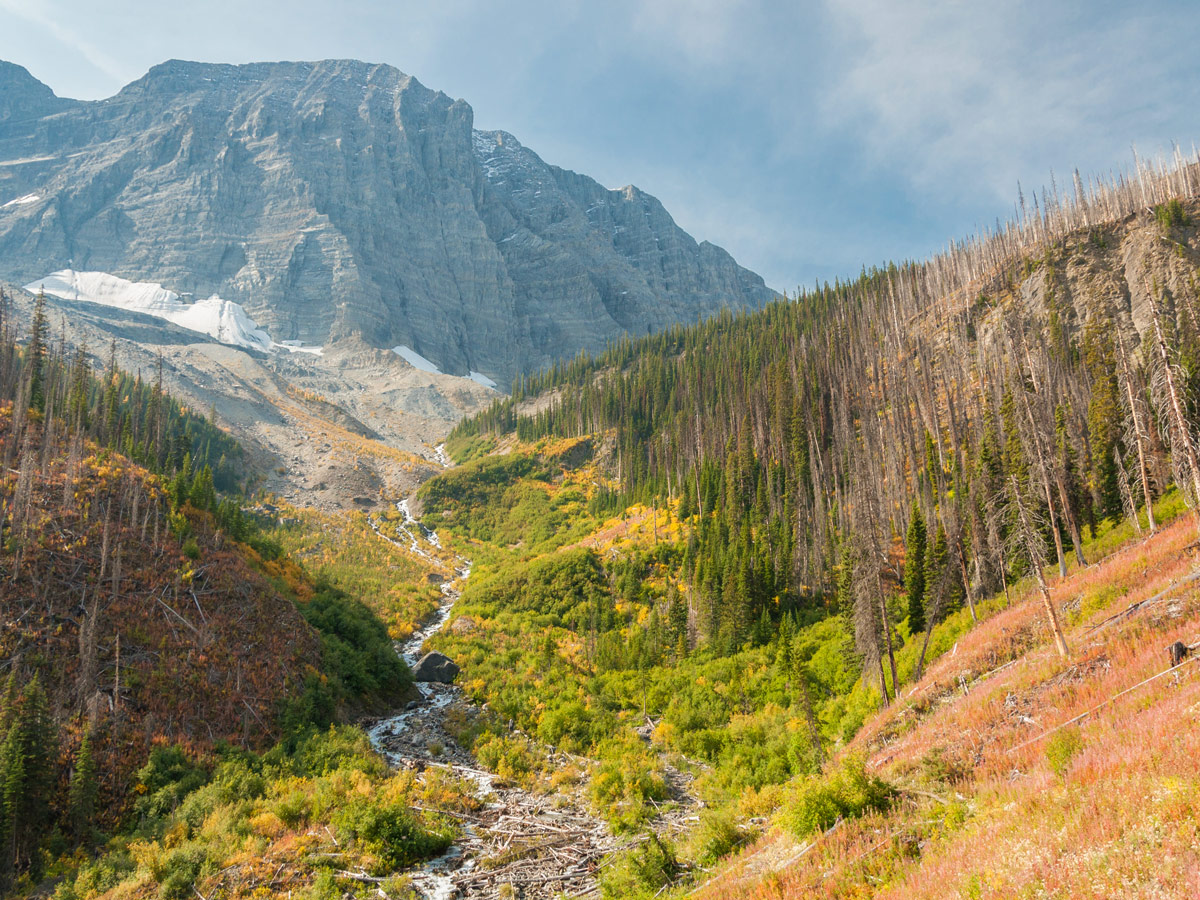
{"x": 1022, "y": 774}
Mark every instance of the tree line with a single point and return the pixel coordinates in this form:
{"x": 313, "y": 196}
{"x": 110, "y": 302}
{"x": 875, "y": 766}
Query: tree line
{"x": 893, "y": 448}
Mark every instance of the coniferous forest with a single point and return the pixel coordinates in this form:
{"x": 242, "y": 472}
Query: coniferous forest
{"x": 895, "y": 447}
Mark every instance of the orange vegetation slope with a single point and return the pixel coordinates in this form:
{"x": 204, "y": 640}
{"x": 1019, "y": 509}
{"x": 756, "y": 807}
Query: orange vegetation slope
{"x": 130, "y": 635}
{"x": 1001, "y": 794}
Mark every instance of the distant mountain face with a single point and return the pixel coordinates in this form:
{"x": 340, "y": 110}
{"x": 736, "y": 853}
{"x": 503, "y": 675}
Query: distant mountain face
{"x": 339, "y": 199}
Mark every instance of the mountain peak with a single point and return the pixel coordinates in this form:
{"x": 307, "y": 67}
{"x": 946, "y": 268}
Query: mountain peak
{"x": 24, "y": 97}
{"x": 340, "y": 198}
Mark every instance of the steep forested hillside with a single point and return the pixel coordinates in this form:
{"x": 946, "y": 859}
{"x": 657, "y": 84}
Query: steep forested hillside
{"x": 722, "y": 549}
{"x": 929, "y": 425}
{"x": 143, "y": 610}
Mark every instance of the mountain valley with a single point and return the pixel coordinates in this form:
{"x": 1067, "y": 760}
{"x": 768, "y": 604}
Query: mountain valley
{"x": 482, "y": 535}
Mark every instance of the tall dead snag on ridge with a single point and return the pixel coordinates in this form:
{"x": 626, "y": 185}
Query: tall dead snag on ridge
{"x": 861, "y": 588}
{"x": 1136, "y": 431}
{"x": 1031, "y": 432}
{"x": 1027, "y": 539}
{"x": 1127, "y": 501}
{"x": 1168, "y": 391}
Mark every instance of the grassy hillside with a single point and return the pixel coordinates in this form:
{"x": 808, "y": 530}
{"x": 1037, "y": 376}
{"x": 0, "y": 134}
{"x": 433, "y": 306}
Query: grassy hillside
{"x": 741, "y": 550}
{"x": 573, "y": 640}
{"x": 1016, "y": 773}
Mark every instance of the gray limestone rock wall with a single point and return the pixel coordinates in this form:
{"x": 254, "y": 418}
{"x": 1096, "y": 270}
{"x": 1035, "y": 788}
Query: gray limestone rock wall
{"x": 339, "y": 199}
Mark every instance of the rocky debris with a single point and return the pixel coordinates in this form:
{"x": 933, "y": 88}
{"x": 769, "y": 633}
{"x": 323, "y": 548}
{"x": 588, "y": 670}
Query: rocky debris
{"x": 435, "y": 667}
{"x": 646, "y": 730}
{"x": 521, "y": 843}
{"x": 543, "y": 845}
{"x": 459, "y": 244}
{"x": 301, "y": 446}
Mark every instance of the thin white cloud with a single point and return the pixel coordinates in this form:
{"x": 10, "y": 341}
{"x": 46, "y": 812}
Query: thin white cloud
{"x": 707, "y": 32}
{"x": 40, "y": 14}
{"x": 967, "y": 93}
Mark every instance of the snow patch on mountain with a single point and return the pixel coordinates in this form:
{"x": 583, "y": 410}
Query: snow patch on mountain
{"x": 223, "y": 320}
{"x": 416, "y": 360}
{"x": 297, "y": 347}
{"x": 22, "y": 201}
{"x": 480, "y": 378}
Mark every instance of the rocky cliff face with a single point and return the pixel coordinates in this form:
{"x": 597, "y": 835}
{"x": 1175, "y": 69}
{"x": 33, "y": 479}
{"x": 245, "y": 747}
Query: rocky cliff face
{"x": 337, "y": 200}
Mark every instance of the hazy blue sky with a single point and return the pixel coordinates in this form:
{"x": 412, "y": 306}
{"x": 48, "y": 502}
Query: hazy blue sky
{"x": 808, "y": 138}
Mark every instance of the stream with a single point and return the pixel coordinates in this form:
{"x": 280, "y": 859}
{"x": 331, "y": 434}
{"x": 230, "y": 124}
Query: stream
{"x": 543, "y": 846}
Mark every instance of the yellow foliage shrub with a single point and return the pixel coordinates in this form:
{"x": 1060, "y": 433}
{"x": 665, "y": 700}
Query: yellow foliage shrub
{"x": 267, "y": 824}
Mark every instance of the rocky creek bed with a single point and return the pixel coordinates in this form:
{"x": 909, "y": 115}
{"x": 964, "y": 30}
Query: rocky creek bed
{"x": 538, "y": 845}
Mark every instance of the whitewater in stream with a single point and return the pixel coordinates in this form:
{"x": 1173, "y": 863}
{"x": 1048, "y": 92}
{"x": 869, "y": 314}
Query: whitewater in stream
{"x": 435, "y": 878}
{"x": 515, "y": 824}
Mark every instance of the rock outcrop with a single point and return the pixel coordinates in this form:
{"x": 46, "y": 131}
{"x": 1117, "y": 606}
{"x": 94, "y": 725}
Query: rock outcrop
{"x": 339, "y": 200}
{"x": 436, "y": 667}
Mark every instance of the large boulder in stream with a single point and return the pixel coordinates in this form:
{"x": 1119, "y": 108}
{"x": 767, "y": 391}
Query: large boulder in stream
{"x": 436, "y": 667}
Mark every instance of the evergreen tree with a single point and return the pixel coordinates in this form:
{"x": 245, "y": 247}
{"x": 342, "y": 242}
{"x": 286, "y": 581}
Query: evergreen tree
{"x": 13, "y": 758}
{"x": 38, "y": 350}
{"x": 81, "y": 797}
{"x": 202, "y": 494}
{"x": 1103, "y": 417}
{"x": 26, "y": 781}
{"x": 936, "y": 554}
{"x": 914, "y": 571}
{"x": 677, "y": 616}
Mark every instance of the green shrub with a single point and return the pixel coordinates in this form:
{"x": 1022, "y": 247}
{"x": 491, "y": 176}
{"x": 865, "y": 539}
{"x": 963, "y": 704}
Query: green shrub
{"x": 626, "y": 780}
{"x": 94, "y": 878}
{"x": 341, "y": 747}
{"x": 269, "y": 548}
{"x": 717, "y": 836}
{"x": 1061, "y": 749}
{"x": 390, "y": 834}
{"x": 642, "y": 872}
{"x": 315, "y": 706}
{"x": 168, "y": 776}
{"x": 177, "y": 871}
{"x": 508, "y": 757}
{"x": 324, "y": 887}
{"x": 818, "y": 801}
{"x": 233, "y": 782}
{"x": 1171, "y": 214}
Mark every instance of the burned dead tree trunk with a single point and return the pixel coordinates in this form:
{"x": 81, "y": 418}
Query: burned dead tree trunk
{"x": 1028, "y": 537}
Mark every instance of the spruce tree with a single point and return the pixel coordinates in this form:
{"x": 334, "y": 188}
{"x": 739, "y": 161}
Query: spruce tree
{"x": 38, "y": 350}
{"x": 26, "y": 781}
{"x": 677, "y": 616}
{"x": 12, "y": 797}
{"x": 81, "y": 798}
{"x": 935, "y": 563}
{"x": 914, "y": 571}
{"x": 1104, "y": 416}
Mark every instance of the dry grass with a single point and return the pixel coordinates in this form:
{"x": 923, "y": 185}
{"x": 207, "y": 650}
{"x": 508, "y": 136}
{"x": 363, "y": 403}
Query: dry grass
{"x": 999, "y": 801}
